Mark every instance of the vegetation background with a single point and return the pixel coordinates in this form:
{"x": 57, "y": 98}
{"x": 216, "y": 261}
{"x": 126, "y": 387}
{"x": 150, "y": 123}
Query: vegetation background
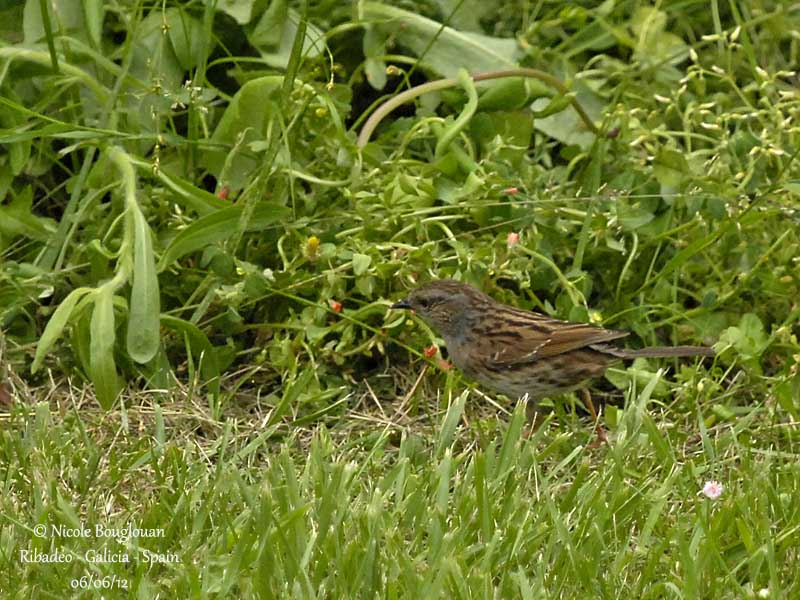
{"x": 199, "y": 251}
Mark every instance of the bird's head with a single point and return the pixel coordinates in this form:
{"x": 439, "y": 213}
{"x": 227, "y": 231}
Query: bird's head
{"x": 443, "y": 304}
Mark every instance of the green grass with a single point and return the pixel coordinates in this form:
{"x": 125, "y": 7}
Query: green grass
{"x": 465, "y": 507}
{"x": 201, "y": 233}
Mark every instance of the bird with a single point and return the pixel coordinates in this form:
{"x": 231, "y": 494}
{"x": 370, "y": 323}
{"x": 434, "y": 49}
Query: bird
{"x": 521, "y": 353}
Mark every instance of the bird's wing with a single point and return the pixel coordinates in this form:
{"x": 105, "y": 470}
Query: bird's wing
{"x": 525, "y": 336}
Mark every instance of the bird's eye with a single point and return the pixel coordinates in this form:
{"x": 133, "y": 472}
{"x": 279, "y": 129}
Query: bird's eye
{"x": 424, "y": 302}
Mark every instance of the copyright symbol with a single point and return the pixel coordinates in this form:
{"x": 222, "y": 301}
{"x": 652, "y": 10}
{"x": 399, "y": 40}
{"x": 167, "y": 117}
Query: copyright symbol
{"x": 40, "y": 530}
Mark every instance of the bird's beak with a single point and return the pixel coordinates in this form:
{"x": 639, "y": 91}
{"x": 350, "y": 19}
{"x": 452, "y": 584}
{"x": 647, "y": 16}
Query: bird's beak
{"x": 402, "y": 304}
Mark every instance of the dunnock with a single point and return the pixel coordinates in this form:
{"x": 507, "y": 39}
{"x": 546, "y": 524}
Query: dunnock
{"x": 518, "y": 352}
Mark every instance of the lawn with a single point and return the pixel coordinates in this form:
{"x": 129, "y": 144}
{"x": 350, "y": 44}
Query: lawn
{"x": 208, "y": 208}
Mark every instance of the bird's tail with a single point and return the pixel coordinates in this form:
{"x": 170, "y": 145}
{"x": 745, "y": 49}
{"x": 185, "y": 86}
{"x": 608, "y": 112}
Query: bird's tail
{"x": 655, "y": 351}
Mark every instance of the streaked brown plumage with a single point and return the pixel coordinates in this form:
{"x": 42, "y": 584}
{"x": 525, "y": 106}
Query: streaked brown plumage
{"x": 518, "y": 352}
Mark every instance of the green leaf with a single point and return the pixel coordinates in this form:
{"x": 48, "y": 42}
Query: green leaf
{"x": 243, "y": 124}
{"x": 93, "y": 17}
{"x": 191, "y": 196}
{"x": 187, "y": 37}
{"x": 240, "y": 11}
{"x": 554, "y": 105}
{"x": 566, "y": 125}
{"x": 102, "y": 369}
{"x": 793, "y": 188}
{"x": 64, "y": 15}
{"x": 670, "y": 167}
{"x": 655, "y": 44}
{"x": 153, "y": 60}
{"x": 444, "y": 49}
{"x": 619, "y": 379}
{"x": 269, "y": 29}
{"x": 374, "y": 45}
{"x": 361, "y": 263}
{"x": 632, "y": 216}
{"x": 143, "y": 321}
{"x": 749, "y": 337}
{"x": 219, "y": 226}
{"x": 786, "y": 392}
{"x": 503, "y": 94}
{"x": 55, "y": 326}
{"x": 17, "y": 218}
{"x": 375, "y": 70}
{"x": 282, "y": 25}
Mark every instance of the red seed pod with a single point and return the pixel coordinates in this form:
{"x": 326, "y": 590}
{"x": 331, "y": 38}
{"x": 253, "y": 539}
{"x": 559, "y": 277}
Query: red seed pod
{"x": 430, "y": 351}
{"x": 444, "y": 365}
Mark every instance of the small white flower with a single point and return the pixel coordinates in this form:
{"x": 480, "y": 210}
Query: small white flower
{"x": 763, "y": 593}
{"x": 712, "y": 489}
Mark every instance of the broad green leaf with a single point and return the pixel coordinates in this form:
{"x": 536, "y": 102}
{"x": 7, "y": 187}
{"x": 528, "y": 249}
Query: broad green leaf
{"x": 654, "y": 44}
{"x": 749, "y": 337}
{"x": 632, "y": 216}
{"x": 467, "y": 14}
{"x": 192, "y": 196}
{"x": 219, "y": 226}
{"x": 566, "y": 125}
{"x": 670, "y": 167}
{"x": 361, "y": 263}
{"x": 17, "y": 218}
{"x": 515, "y": 129}
{"x": 64, "y": 15}
{"x": 554, "y": 105}
{"x": 243, "y": 125}
{"x": 374, "y": 45}
{"x": 510, "y": 93}
{"x": 56, "y": 324}
{"x": 375, "y": 70}
{"x": 269, "y": 29}
{"x": 187, "y": 37}
{"x": 444, "y": 49}
{"x": 153, "y": 60}
{"x": 102, "y": 369}
{"x": 143, "y": 321}
{"x": 786, "y": 392}
{"x": 275, "y": 33}
{"x": 240, "y": 10}
{"x": 793, "y": 188}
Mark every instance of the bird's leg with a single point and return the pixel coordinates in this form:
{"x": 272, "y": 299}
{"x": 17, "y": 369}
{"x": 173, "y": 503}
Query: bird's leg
{"x": 602, "y": 438}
